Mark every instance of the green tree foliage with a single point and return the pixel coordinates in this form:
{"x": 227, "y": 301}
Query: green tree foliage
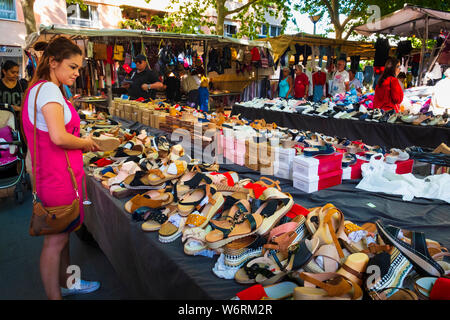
{"x": 355, "y": 11}
{"x": 192, "y": 16}
{"x": 391, "y": 6}
{"x": 83, "y": 6}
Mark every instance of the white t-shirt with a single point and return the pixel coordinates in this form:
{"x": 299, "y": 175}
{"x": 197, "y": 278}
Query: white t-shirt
{"x": 49, "y": 93}
{"x": 339, "y": 80}
{"x": 440, "y": 101}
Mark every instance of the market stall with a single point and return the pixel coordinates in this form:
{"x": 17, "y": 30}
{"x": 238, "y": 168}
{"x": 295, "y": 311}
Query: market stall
{"x": 162, "y": 210}
{"x": 425, "y": 23}
{"x": 390, "y": 135}
{"x": 110, "y": 57}
{"x": 152, "y": 269}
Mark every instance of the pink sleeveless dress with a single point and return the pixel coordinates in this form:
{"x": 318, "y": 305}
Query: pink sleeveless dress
{"x": 53, "y": 184}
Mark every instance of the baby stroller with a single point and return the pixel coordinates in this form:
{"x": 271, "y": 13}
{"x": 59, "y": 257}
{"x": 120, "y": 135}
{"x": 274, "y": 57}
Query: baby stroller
{"x": 13, "y": 176}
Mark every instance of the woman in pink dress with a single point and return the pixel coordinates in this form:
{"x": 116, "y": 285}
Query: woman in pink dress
{"x": 58, "y": 129}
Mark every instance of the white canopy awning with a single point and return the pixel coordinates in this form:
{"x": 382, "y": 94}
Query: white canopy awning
{"x": 408, "y": 21}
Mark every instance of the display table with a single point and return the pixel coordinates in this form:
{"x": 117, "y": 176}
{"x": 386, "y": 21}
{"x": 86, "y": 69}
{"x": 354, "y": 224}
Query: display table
{"x": 101, "y": 104}
{"x": 152, "y": 269}
{"x": 396, "y": 135}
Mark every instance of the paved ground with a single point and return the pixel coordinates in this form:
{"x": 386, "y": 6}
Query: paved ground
{"x": 19, "y": 259}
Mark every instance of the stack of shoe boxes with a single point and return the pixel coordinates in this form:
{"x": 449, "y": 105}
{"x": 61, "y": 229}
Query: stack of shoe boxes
{"x": 239, "y": 151}
{"x": 311, "y": 174}
{"x": 251, "y": 155}
{"x": 228, "y": 145}
{"x": 284, "y": 164}
{"x": 267, "y": 156}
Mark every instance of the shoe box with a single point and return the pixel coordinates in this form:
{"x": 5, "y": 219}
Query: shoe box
{"x": 228, "y": 143}
{"x": 239, "y": 147}
{"x": 283, "y": 170}
{"x": 311, "y": 174}
{"x": 219, "y": 137}
{"x": 310, "y": 167}
{"x": 353, "y": 171}
{"x": 228, "y": 132}
{"x": 316, "y": 183}
{"x": 401, "y": 167}
{"x": 285, "y": 155}
{"x": 267, "y": 156}
{"x": 267, "y": 170}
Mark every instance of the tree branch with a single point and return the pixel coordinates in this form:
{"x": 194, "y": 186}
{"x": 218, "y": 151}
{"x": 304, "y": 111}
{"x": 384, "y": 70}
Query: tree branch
{"x": 350, "y": 15}
{"x": 248, "y": 4}
{"x": 331, "y": 11}
{"x": 350, "y": 31}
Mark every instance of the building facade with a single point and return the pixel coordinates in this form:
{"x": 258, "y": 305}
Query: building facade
{"x": 98, "y": 14}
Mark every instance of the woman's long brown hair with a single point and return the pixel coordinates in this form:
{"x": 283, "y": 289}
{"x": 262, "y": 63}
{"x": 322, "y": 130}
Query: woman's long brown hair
{"x": 389, "y": 70}
{"x": 59, "y": 49}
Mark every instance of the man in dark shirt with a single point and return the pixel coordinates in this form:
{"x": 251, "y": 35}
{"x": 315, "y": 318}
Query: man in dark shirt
{"x": 143, "y": 82}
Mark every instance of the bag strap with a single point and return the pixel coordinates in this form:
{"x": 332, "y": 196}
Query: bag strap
{"x": 69, "y": 168}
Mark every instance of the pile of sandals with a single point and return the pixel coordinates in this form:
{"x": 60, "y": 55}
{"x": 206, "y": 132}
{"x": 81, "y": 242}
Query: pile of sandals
{"x": 277, "y": 247}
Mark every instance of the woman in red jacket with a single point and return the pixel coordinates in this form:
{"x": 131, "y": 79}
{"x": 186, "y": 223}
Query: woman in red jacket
{"x": 388, "y": 92}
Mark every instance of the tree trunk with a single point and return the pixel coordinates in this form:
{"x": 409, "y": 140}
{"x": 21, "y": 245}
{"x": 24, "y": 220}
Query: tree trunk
{"x": 337, "y": 24}
{"x": 28, "y": 13}
{"x": 221, "y": 12}
{"x": 339, "y": 31}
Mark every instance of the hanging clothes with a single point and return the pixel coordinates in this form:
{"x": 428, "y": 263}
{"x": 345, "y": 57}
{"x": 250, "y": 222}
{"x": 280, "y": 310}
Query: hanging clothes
{"x": 404, "y": 48}
{"x": 382, "y": 48}
{"x": 330, "y": 57}
{"x": 354, "y": 64}
{"x": 226, "y": 58}
{"x": 319, "y": 79}
{"x": 368, "y": 75}
{"x": 304, "y": 51}
{"x": 415, "y": 65}
{"x": 323, "y": 51}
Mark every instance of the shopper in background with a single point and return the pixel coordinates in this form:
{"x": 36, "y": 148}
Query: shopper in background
{"x": 57, "y": 131}
{"x": 340, "y": 84}
{"x": 402, "y": 79}
{"x": 354, "y": 83}
{"x": 11, "y": 88}
{"x": 388, "y": 92}
{"x": 190, "y": 84}
{"x": 301, "y": 85}
{"x": 286, "y": 84}
{"x": 143, "y": 82}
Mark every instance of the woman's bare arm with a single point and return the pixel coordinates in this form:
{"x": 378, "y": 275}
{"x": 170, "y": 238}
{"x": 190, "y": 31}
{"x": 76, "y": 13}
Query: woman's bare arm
{"x": 54, "y": 117}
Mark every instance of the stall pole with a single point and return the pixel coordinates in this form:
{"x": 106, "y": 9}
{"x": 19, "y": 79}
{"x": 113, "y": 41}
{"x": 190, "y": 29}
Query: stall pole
{"x": 205, "y": 67}
{"x": 205, "y": 48}
{"x": 422, "y": 52}
{"x": 108, "y": 84}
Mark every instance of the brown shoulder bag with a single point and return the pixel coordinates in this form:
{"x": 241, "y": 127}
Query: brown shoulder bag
{"x": 52, "y": 220}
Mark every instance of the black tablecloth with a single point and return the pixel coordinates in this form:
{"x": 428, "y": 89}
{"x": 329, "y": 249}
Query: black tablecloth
{"x": 397, "y": 135}
{"x": 162, "y": 271}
